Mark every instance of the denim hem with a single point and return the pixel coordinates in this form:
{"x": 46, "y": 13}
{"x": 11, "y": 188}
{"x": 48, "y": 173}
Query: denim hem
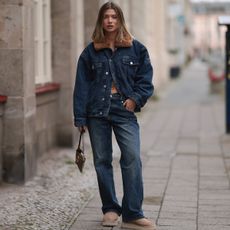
{"x": 126, "y": 220}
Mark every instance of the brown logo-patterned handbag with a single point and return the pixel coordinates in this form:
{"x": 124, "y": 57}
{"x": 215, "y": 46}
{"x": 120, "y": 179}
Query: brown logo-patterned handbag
{"x": 80, "y": 156}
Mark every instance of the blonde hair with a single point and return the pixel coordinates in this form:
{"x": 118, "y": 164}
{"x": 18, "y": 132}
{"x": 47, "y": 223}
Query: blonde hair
{"x": 123, "y": 33}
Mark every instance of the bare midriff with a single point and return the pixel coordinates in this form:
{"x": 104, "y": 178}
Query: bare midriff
{"x": 113, "y": 88}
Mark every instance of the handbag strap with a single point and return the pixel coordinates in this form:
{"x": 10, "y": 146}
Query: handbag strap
{"x": 80, "y": 138}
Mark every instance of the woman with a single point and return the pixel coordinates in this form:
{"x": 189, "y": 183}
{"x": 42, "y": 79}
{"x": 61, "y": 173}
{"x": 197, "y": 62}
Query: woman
{"x": 114, "y": 80}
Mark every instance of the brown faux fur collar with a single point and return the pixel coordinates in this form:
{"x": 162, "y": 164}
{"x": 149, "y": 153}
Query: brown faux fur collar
{"x": 126, "y": 42}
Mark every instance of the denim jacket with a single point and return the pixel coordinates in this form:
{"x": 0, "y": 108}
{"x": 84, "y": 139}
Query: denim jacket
{"x": 129, "y": 68}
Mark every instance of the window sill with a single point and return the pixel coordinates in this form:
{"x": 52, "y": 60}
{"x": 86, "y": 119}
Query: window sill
{"x": 3, "y": 99}
{"x": 47, "y": 88}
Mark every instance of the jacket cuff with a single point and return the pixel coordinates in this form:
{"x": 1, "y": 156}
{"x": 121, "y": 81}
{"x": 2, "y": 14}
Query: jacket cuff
{"x": 78, "y": 122}
{"x": 136, "y": 97}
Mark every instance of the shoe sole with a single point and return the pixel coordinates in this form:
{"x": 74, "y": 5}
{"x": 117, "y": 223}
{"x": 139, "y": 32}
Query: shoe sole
{"x": 136, "y": 227}
{"x": 109, "y": 224}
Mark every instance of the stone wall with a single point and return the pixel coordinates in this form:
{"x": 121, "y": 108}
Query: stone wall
{"x": 36, "y": 123}
{"x": 46, "y": 121}
{"x": 63, "y": 67}
{"x": 148, "y": 24}
{"x": 90, "y": 16}
{"x": 156, "y": 41}
{"x": 17, "y": 82}
{"x": 1, "y": 137}
{"x": 77, "y": 45}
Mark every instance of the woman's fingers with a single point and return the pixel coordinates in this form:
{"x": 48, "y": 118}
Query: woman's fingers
{"x": 129, "y": 104}
{"x": 82, "y": 128}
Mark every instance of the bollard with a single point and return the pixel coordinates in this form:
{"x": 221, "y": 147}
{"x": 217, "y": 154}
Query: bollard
{"x": 225, "y": 21}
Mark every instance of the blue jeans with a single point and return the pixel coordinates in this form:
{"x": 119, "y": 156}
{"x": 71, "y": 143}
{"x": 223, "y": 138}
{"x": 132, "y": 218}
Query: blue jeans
{"x": 126, "y": 129}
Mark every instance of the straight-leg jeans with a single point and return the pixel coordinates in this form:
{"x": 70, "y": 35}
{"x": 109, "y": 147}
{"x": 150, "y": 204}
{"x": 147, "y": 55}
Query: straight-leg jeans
{"x": 126, "y": 129}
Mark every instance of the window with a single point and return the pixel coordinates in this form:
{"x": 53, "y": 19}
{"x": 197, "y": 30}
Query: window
{"x": 42, "y": 41}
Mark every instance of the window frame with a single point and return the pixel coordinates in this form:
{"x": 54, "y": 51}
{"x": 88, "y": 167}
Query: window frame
{"x": 42, "y": 42}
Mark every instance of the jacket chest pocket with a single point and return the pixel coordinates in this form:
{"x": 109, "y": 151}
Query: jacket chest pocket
{"x": 130, "y": 66}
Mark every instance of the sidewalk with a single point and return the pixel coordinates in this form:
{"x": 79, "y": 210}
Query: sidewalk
{"x": 186, "y": 160}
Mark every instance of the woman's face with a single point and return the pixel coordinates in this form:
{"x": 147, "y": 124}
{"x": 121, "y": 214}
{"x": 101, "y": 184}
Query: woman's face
{"x": 110, "y": 21}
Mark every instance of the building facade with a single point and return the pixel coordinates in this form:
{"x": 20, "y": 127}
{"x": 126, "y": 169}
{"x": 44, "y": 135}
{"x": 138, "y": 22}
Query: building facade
{"x": 209, "y": 37}
{"x": 40, "y": 41}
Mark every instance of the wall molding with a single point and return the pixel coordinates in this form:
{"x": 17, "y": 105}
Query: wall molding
{"x": 3, "y": 99}
{"x": 47, "y": 88}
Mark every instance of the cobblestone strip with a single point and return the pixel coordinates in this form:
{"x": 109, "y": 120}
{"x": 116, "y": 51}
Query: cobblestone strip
{"x": 52, "y": 198}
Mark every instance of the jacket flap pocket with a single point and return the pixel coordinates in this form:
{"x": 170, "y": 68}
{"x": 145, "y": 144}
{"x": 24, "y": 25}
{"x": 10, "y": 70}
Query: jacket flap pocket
{"x": 96, "y": 65}
{"x": 130, "y": 61}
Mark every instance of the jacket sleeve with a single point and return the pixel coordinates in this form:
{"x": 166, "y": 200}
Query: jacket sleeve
{"x": 81, "y": 89}
{"x": 143, "y": 86}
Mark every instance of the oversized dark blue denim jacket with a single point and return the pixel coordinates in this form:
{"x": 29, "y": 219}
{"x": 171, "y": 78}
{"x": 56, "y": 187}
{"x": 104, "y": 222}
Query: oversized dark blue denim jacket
{"x": 130, "y": 69}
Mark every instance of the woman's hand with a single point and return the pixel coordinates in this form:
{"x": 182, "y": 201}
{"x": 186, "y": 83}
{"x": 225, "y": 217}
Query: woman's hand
{"x": 130, "y": 105}
{"x": 82, "y": 129}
